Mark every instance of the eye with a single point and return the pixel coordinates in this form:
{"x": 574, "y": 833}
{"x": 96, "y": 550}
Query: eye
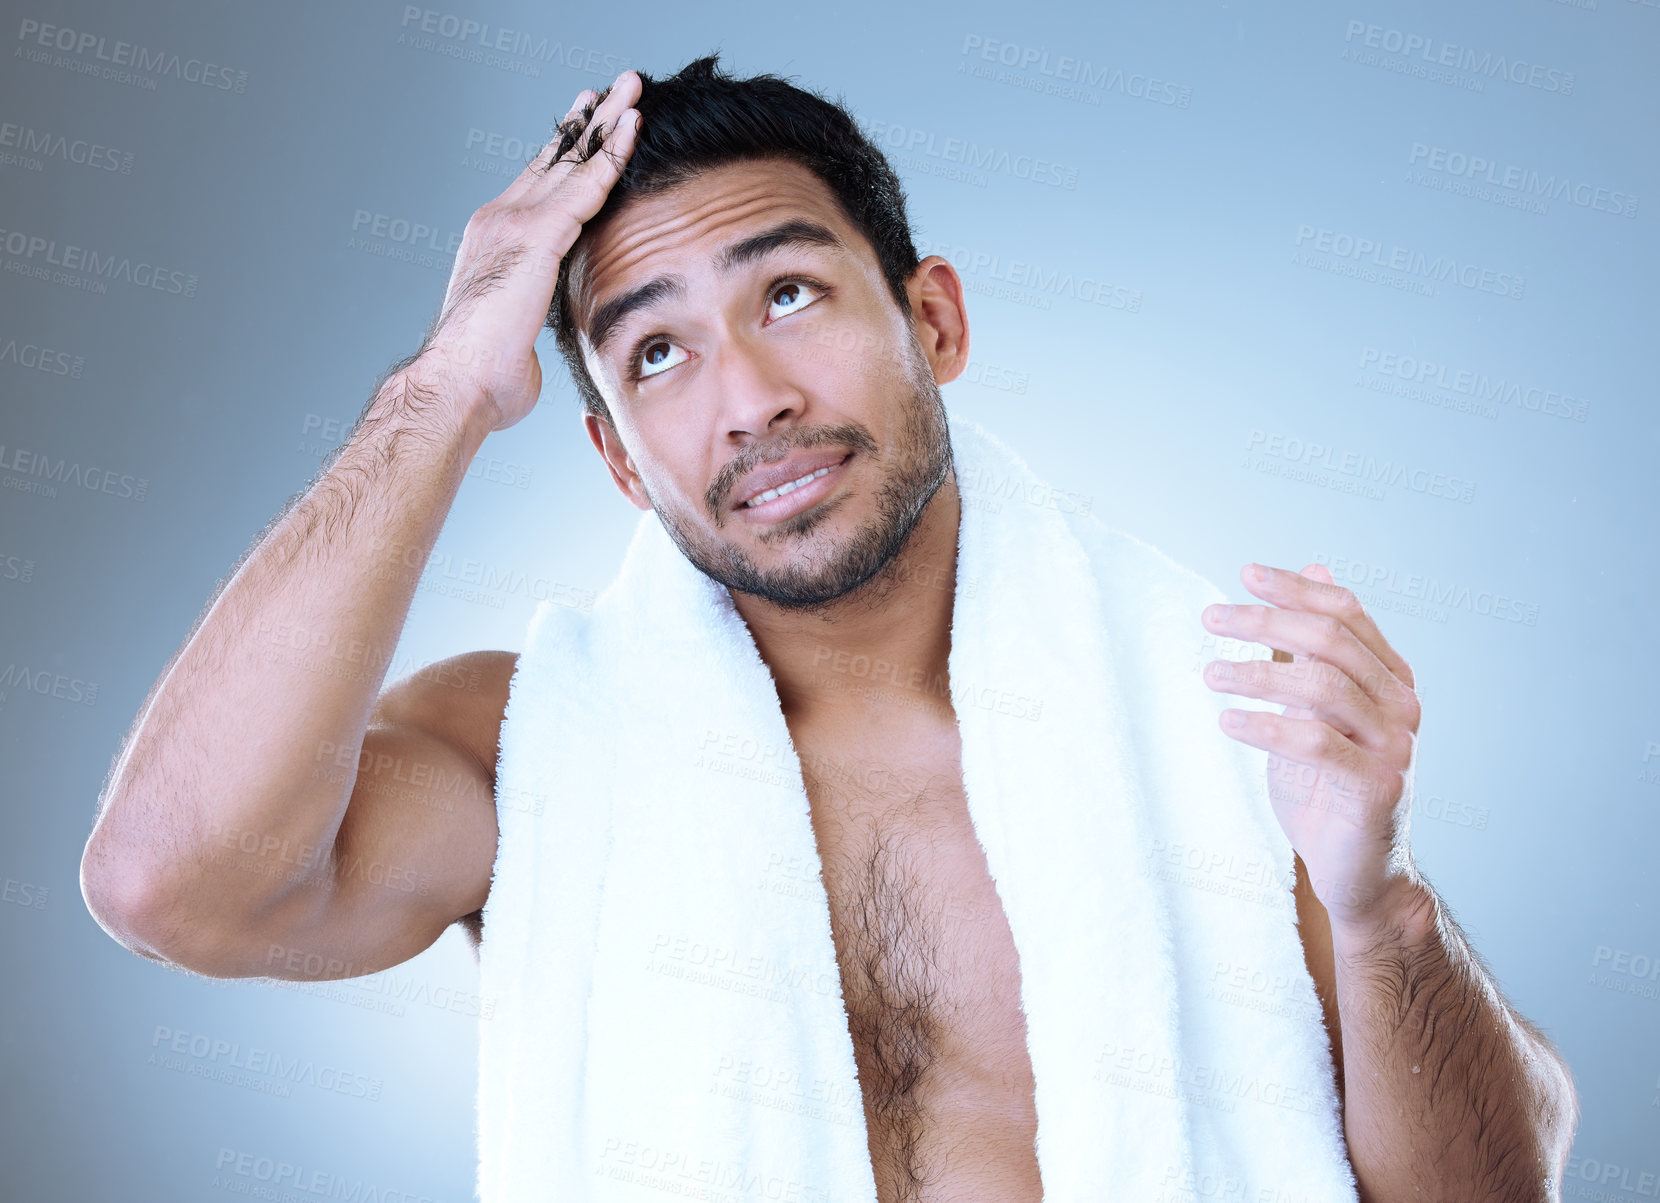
{"x": 654, "y": 358}
{"x": 795, "y": 296}
{"x": 656, "y": 353}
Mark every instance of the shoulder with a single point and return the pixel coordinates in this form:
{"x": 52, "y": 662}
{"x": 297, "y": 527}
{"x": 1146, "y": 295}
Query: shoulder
{"x": 461, "y": 699}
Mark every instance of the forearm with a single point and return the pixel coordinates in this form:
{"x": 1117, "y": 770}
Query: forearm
{"x": 234, "y": 765}
{"x": 1448, "y": 1093}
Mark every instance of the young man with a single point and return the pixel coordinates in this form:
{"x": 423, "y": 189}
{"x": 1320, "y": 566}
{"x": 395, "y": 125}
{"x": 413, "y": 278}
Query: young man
{"x": 728, "y": 268}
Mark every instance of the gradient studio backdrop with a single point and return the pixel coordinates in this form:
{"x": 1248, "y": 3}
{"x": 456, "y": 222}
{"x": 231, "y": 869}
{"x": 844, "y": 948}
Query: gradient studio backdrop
{"x": 1372, "y": 286}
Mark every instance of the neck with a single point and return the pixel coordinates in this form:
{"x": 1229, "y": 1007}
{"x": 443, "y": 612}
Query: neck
{"x": 893, "y": 633}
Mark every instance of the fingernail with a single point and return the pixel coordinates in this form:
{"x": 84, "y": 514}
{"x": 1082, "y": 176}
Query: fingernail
{"x": 1233, "y": 719}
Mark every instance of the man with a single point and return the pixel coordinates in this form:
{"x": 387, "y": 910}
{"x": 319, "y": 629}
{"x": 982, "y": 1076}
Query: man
{"x": 758, "y": 349}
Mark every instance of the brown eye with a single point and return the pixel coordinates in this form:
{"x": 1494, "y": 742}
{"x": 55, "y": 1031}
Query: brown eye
{"x": 790, "y": 297}
{"x": 655, "y": 359}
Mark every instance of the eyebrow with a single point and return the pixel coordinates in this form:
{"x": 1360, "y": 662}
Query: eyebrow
{"x": 796, "y": 232}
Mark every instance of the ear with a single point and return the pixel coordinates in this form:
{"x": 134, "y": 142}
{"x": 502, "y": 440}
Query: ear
{"x": 617, "y": 460}
{"x": 938, "y": 316}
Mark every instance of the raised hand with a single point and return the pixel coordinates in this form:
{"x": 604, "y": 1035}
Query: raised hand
{"x": 1342, "y": 751}
{"x": 481, "y": 350}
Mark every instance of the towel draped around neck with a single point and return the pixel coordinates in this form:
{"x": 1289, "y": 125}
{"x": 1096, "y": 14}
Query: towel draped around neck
{"x": 668, "y": 1015}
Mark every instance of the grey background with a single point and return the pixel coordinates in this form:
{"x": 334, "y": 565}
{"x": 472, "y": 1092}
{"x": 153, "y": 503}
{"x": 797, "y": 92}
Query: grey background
{"x": 1185, "y": 410}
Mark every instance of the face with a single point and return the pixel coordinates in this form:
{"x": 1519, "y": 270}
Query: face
{"x": 771, "y": 402}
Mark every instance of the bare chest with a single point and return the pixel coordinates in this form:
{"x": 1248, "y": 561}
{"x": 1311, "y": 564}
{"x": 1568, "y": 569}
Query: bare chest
{"x": 929, "y": 970}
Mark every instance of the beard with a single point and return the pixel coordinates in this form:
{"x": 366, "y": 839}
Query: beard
{"x": 920, "y": 463}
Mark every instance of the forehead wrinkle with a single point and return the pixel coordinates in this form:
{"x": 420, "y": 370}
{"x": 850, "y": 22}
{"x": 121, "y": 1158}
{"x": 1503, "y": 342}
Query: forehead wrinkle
{"x": 793, "y": 233}
{"x": 722, "y": 206}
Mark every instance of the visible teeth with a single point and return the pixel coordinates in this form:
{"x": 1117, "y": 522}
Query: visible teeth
{"x": 787, "y": 487}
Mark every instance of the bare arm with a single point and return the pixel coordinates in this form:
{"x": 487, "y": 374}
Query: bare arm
{"x": 1449, "y": 1092}
{"x": 415, "y": 850}
{"x": 217, "y": 818}
{"x": 243, "y": 812}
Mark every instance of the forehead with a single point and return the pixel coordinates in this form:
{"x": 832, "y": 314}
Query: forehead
{"x": 689, "y": 223}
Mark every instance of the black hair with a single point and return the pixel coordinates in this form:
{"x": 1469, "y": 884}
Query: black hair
{"x": 702, "y": 117}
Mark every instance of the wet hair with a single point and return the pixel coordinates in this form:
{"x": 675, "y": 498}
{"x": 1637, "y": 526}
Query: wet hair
{"x": 702, "y": 117}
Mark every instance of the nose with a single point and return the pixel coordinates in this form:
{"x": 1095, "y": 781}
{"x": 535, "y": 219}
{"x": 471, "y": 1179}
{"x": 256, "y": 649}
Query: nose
{"x": 758, "y": 392}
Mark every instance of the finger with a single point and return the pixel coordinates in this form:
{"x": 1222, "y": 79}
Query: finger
{"x": 1309, "y": 688}
{"x": 1306, "y": 741}
{"x": 1293, "y": 590}
{"x": 1308, "y": 638}
{"x": 599, "y": 130}
{"x": 577, "y": 115}
{"x": 572, "y": 129}
{"x": 575, "y": 193}
{"x": 1280, "y": 656}
{"x": 539, "y": 162}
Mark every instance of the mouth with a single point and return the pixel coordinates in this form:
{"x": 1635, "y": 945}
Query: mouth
{"x": 790, "y": 487}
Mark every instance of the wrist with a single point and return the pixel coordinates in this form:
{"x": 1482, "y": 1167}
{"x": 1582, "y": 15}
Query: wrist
{"x": 426, "y": 398}
{"x": 1405, "y": 914}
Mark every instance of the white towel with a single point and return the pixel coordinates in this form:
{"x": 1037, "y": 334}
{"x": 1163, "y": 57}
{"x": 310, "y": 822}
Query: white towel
{"x": 668, "y": 1015}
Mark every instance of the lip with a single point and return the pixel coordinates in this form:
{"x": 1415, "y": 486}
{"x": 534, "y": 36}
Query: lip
{"x": 790, "y": 468}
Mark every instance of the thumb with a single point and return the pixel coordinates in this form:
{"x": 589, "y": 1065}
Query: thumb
{"x": 1319, "y": 572}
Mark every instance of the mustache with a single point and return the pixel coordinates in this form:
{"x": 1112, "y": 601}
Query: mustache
{"x": 851, "y": 435}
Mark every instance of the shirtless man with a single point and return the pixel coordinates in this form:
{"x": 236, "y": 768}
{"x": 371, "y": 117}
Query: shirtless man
{"x": 1448, "y": 1094}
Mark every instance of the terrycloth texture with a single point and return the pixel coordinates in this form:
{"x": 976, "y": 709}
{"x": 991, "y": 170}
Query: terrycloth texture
{"x": 657, "y": 943}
